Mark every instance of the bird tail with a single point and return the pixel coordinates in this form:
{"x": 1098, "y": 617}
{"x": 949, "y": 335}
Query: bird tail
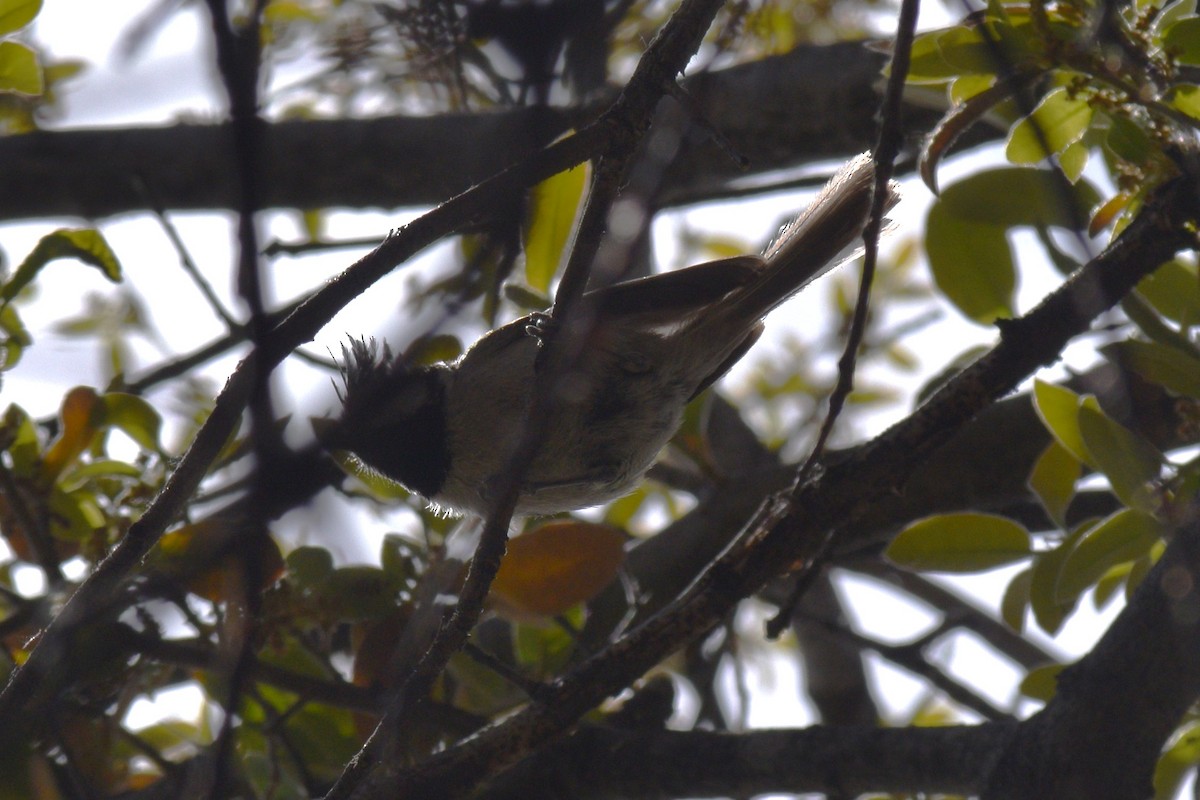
{"x": 821, "y": 238}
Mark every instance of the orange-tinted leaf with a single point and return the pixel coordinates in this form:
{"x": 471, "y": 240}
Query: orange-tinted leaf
{"x": 556, "y": 566}
{"x": 1107, "y": 213}
{"x": 201, "y": 555}
{"x": 80, "y": 420}
{"x": 374, "y": 643}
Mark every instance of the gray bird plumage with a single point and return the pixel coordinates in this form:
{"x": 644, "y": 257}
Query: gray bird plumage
{"x": 652, "y": 345}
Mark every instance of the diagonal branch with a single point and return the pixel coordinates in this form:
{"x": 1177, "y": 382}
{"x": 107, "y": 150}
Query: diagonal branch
{"x": 788, "y": 529}
{"x": 824, "y": 97}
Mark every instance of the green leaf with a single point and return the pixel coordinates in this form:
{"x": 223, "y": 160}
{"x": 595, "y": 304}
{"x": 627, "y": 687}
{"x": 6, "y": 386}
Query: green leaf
{"x": 965, "y": 49}
{"x": 1016, "y": 600}
{"x": 1174, "y": 291}
{"x": 968, "y": 86}
{"x": 24, "y": 447}
{"x": 85, "y": 244}
{"x": 1171, "y": 13}
{"x": 621, "y": 512}
{"x": 1053, "y": 480}
{"x": 1129, "y": 462}
{"x": 309, "y": 566}
{"x": 281, "y": 11}
{"x": 1060, "y": 119}
{"x": 1169, "y": 367}
{"x": 75, "y": 516}
{"x": 1073, "y": 160}
{"x": 16, "y": 337}
{"x": 967, "y": 228}
{"x": 1128, "y": 140}
{"x": 1041, "y": 683}
{"x": 545, "y": 649}
{"x": 524, "y": 297}
{"x": 1186, "y": 98}
{"x": 1140, "y": 568}
{"x": 440, "y": 348}
{"x": 103, "y": 468}
{"x": 960, "y": 543}
{"x": 375, "y": 482}
{"x": 1106, "y": 588}
{"x": 16, "y": 14}
{"x": 1183, "y": 40}
{"x": 1048, "y": 610}
{"x": 972, "y": 265}
{"x": 398, "y": 559}
{"x": 1177, "y": 762}
{"x": 357, "y": 593}
{"x": 1058, "y": 407}
{"x": 133, "y": 416}
{"x": 1015, "y": 196}
{"x": 172, "y": 733}
{"x": 20, "y": 72}
{"x": 927, "y": 65}
{"x": 1123, "y": 537}
{"x": 554, "y": 204}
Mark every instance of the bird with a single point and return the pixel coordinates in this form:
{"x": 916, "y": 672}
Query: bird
{"x": 447, "y": 431}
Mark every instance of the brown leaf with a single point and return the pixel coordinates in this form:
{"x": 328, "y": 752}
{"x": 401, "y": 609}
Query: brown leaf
{"x": 557, "y": 566}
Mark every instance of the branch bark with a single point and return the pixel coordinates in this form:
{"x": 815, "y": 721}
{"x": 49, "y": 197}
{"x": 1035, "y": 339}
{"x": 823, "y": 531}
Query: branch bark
{"x": 817, "y": 102}
{"x": 1102, "y": 732}
{"x": 845, "y": 761}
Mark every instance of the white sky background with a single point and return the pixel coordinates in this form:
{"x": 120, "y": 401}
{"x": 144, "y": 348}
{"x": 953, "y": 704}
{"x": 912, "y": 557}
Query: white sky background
{"x": 172, "y": 80}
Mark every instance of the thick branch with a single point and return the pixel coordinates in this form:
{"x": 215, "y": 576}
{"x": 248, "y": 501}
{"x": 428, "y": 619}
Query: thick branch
{"x": 844, "y": 761}
{"x": 813, "y": 103}
{"x": 1102, "y": 733}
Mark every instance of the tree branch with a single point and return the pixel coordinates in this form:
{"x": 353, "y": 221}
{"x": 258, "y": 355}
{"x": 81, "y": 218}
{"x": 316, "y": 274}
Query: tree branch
{"x": 1102, "y": 733}
{"x": 844, "y": 761}
{"x": 823, "y": 97}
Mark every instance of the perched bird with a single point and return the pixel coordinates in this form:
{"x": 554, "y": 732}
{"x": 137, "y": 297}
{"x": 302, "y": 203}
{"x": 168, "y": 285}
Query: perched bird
{"x": 650, "y": 345}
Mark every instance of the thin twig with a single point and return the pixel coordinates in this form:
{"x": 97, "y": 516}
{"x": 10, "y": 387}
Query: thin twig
{"x": 911, "y": 657}
{"x": 664, "y": 60}
{"x": 959, "y": 612}
{"x": 185, "y": 257}
{"x": 891, "y": 138}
